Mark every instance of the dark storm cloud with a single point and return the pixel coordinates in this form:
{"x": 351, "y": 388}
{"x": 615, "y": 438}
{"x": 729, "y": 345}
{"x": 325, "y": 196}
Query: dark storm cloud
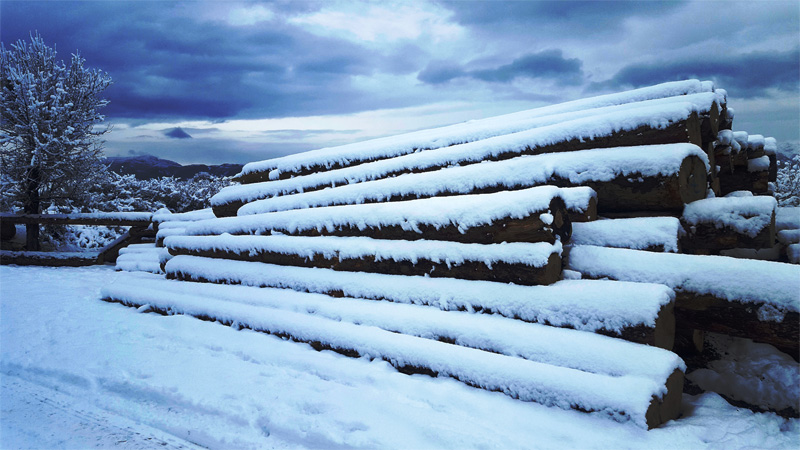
{"x": 548, "y": 64}
{"x": 166, "y": 64}
{"x": 492, "y": 13}
{"x": 748, "y": 75}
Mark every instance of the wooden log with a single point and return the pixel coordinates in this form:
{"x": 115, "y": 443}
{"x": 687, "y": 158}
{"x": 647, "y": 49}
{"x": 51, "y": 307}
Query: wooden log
{"x": 533, "y": 264}
{"x": 641, "y": 313}
{"x": 653, "y": 194}
{"x": 715, "y": 293}
{"x": 659, "y": 234}
{"x": 682, "y": 131}
{"x": 710, "y": 313}
{"x": 56, "y": 259}
{"x": 716, "y": 224}
{"x": 675, "y": 174}
{"x": 583, "y": 214}
{"x": 572, "y": 112}
{"x": 743, "y": 180}
{"x": 516, "y": 377}
{"x": 536, "y": 214}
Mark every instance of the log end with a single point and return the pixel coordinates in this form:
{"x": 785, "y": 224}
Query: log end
{"x": 668, "y": 407}
{"x": 227, "y": 209}
{"x": 692, "y": 180}
{"x": 664, "y": 334}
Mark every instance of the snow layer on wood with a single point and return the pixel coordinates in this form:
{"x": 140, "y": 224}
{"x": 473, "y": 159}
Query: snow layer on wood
{"x": 770, "y": 146}
{"x": 467, "y": 131}
{"x": 581, "y": 304}
{"x": 464, "y": 211}
{"x": 746, "y": 215}
{"x": 758, "y": 164}
{"x": 751, "y": 372}
{"x": 787, "y": 218}
{"x": 793, "y": 253}
{"x": 138, "y": 248}
{"x": 332, "y": 247}
{"x": 741, "y": 138}
{"x": 755, "y": 142}
{"x": 724, "y": 137}
{"x": 740, "y": 194}
{"x": 189, "y": 216}
{"x": 623, "y": 398}
{"x": 138, "y": 265}
{"x": 578, "y": 198}
{"x": 525, "y": 171}
{"x": 787, "y": 237}
{"x": 177, "y": 231}
{"x": 562, "y": 347}
{"x": 775, "y": 285}
{"x": 640, "y": 233}
{"x": 586, "y": 128}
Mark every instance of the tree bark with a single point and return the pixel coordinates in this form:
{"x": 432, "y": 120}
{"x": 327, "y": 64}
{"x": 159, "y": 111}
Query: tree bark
{"x": 32, "y": 206}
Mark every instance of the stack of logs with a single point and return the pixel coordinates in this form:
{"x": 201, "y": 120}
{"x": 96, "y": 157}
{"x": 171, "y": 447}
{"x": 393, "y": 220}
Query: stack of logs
{"x": 315, "y": 214}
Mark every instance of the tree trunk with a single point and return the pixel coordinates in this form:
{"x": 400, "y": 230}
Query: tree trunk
{"x": 32, "y": 206}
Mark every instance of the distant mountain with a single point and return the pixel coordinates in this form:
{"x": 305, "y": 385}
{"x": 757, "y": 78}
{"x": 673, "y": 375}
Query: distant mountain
{"x": 145, "y": 167}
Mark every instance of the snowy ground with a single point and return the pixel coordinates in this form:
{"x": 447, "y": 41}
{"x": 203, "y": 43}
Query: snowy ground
{"x": 76, "y": 372}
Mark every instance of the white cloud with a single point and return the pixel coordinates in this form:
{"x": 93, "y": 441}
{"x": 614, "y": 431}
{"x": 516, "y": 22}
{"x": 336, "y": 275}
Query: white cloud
{"x": 381, "y": 23}
{"x": 249, "y": 15}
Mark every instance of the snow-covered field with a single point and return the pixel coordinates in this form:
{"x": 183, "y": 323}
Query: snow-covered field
{"x": 76, "y": 372}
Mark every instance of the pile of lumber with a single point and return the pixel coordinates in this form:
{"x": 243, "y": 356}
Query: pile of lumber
{"x": 451, "y": 252}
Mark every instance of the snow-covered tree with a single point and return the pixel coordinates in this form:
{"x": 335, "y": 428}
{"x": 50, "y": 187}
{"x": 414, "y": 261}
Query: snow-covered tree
{"x": 49, "y": 141}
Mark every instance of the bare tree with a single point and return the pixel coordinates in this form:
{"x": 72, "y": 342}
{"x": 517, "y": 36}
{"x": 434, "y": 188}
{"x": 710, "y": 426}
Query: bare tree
{"x": 49, "y": 141}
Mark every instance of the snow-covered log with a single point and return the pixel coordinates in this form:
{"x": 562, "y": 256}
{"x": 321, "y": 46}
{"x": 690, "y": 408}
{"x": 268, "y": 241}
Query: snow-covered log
{"x": 655, "y": 177}
{"x": 639, "y": 313}
{"x": 660, "y": 234}
{"x": 723, "y": 223}
{"x": 475, "y": 130}
{"x": 759, "y": 300}
{"x": 589, "y": 352}
{"x": 520, "y": 263}
{"x": 639, "y": 400}
{"x": 676, "y": 122}
{"x": 531, "y": 215}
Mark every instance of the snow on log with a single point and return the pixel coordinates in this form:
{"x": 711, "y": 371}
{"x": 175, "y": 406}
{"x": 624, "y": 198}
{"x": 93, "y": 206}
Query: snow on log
{"x": 676, "y": 122}
{"x": 639, "y": 400}
{"x": 474, "y": 130}
{"x": 658, "y": 234}
{"x": 655, "y": 177}
{"x": 517, "y": 262}
{"x": 787, "y": 218}
{"x": 635, "y": 312}
{"x": 561, "y": 347}
{"x": 758, "y": 300}
{"x": 531, "y": 215}
{"x": 722, "y": 223}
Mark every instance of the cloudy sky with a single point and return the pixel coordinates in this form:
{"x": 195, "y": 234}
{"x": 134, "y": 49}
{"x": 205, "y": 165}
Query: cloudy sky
{"x": 250, "y": 81}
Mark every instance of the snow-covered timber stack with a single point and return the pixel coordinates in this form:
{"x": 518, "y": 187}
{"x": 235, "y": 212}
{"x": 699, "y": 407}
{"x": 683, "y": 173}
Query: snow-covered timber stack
{"x": 667, "y": 120}
{"x": 746, "y": 162}
{"x": 415, "y": 222}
